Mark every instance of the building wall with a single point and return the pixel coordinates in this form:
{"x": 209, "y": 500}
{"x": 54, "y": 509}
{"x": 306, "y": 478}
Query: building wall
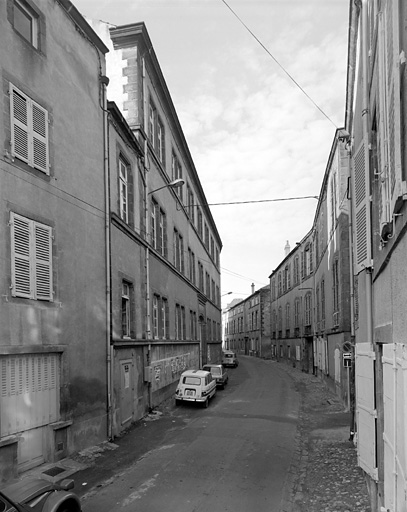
{"x": 66, "y": 330}
{"x": 310, "y": 308}
{"x": 175, "y": 262}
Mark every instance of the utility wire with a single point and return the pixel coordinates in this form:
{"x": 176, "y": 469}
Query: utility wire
{"x": 262, "y": 201}
{"x": 280, "y": 65}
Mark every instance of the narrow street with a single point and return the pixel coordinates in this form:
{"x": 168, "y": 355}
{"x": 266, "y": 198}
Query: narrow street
{"x": 234, "y": 456}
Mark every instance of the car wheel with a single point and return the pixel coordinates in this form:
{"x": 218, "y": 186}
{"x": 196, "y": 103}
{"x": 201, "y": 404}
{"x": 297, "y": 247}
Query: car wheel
{"x": 206, "y": 403}
{"x": 177, "y": 402}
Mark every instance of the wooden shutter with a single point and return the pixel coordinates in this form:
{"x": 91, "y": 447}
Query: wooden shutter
{"x": 19, "y": 109}
{"x": 31, "y": 258}
{"x": 42, "y": 261}
{"x": 29, "y": 130}
{"x": 21, "y": 270}
{"x": 361, "y": 208}
{"x": 393, "y": 99}
{"x": 40, "y": 138}
{"x": 365, "y": 408}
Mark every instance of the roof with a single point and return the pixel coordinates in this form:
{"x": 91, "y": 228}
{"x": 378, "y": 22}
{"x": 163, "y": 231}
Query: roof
{"x": 197, "y": 373}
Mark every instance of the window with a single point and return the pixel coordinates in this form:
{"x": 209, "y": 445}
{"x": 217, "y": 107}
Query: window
{"x": 25, "y": 22}
{"x": 308, "y": 310}
{"x": 126, "y": 310}
{"x": 176, "y": 171}
{"x": 212, "y": 248}
{"x": 190, "y": 204}
{"x": 323, "y": 304}
{"x": 192, "y": 271}
{"x": 206, "y": 236}
{"x": 164, "y": 319}
{"x": 201, "y": 276}
{"x": 179, "y": 252}
{"x": 29, "y": 131}
{"x": 152, "y": 114}
{"x": 287, "y": 319}
{"x": 123, "y": 190}
{"x": 155, "y": 316}
{"x": 31, "y": 259}
{"x": 297, "y": 313}
{"x": 180, "y": 322}
{"x": 280, "y": 289}
{"x": 207, "y": 285}
{"x": 160, "y": 141}
{"x": 193, "y": 325}
{"x": 335, "y": 286}
{"x": 199, "y": 221}
{"x": 158, "y": 228}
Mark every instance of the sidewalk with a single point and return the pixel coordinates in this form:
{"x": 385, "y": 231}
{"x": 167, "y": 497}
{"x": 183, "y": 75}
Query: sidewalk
{"x": 324, "y": 475}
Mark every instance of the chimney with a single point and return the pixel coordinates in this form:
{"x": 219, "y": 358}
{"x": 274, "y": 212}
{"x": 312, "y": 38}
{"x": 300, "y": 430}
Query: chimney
{"x": 287, "y": 249}
{"x": 252, "y": 288}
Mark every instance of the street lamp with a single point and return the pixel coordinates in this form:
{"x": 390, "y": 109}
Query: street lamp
{"x": 174, "y": 184}
{"x": 228, "y": 293}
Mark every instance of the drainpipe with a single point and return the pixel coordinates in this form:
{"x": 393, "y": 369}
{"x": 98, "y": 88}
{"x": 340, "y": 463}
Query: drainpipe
{"x": 365, "y": 119}
{"x": 352, "y": 52}
{"x": 109, "y": 348}
{"x": 148, "y": 298}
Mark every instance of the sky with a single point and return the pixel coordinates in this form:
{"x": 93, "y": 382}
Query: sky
{"x": 253, "y": 133}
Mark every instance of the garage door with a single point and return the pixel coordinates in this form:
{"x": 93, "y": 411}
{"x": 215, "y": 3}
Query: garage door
{"x": 29, "y": 400}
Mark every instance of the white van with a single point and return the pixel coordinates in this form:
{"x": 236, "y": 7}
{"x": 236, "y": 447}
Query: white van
{"x": 195, "y": 386}
{"x": 229, "y": 358}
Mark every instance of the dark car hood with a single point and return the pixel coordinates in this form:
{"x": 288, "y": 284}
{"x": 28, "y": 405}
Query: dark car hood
{"x": 23, "y": 491}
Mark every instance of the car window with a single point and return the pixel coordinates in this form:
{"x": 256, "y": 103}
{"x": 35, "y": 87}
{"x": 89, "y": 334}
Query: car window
{"x": 194, "y": 381}
{"x": 228, "y": 355}
{"x": 215, "y": 371}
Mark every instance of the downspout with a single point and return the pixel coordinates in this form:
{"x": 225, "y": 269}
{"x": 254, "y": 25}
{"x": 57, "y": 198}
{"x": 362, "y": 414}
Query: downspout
{"x": 148, "y": 299}
{"x": 353, "y": 35}
{"x": 365, "y": 118}
{"x": 109, "y": 348}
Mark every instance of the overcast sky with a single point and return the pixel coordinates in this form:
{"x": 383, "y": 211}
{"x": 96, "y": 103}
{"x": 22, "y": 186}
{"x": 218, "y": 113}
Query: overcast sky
{"x": 252, "y": 133}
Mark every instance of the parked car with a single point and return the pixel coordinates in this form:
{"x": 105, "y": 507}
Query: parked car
{"x": 229, "y": 358}
{"x": 39, "y": 496}
{"x": 195, "y": 386}
{"x": 219, "y": 373}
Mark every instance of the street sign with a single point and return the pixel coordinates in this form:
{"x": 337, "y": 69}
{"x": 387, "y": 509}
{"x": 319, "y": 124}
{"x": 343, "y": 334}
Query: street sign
{"x": 347, "y": 359}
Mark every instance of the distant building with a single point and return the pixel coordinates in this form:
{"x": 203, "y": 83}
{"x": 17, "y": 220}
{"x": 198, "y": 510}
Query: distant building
{"x": 246, "y": 324}
{"x": 310, "y": 288}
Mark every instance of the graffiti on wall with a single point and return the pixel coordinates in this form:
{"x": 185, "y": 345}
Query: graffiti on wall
{"x": 168, "y": 369}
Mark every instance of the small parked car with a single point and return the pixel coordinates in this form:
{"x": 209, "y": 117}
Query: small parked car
{"x": 195, "y": 386}
{"x": 219, "y": 373}
{"x": 39, "y": 496}
{"x": 229, "y": 358}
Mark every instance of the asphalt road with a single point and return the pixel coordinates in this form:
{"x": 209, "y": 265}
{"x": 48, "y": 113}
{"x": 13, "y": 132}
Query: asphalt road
{"x": 233, "y": 456}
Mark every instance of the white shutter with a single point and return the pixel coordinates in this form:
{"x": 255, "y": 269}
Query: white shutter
{"x": 361, "y": 209}
{"x": 43, "y": 261}
{"x": 40, "y": 138}
{"x": 29, "y": 130}
{"x": 365, "y": 408}
{"x": 20, "y": 116}
{"x": 21, "y": 271}
{"x": 31, "y": 258}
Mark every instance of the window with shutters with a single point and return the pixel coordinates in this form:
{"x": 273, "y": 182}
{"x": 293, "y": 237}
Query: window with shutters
{"x": 31, "y": 259}
{"x": 29, "y": 131}
{"x": 389, "y": 122}
{"x": 158, "y": 228}
{"x": 308, "y": 310}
